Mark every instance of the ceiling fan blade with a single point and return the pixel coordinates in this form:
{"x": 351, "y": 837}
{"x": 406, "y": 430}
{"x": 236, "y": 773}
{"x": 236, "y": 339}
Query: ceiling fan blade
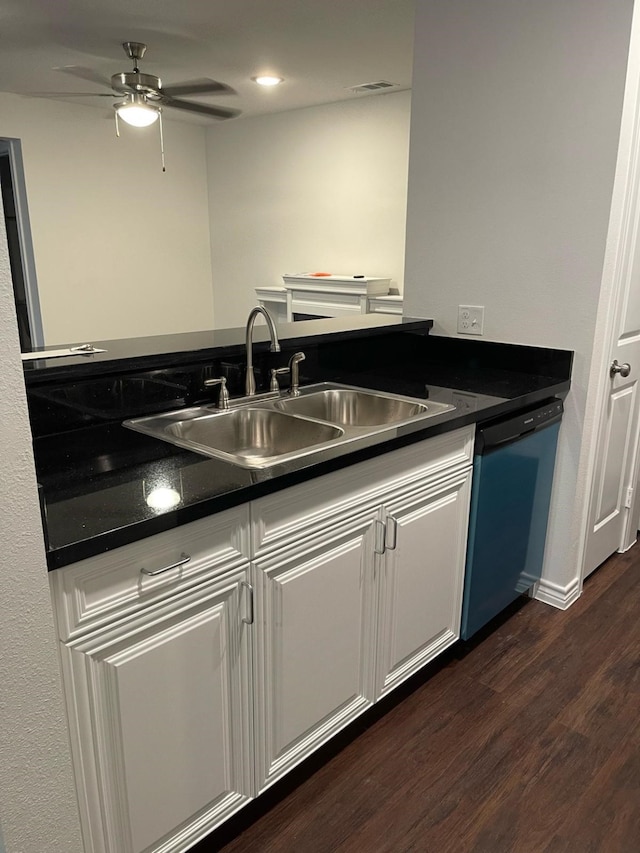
{"x": 71, "y": 95}
{"x": 84, "y": 74}
{"x": 198, "y": 87}
{"x": 202, "y": 109}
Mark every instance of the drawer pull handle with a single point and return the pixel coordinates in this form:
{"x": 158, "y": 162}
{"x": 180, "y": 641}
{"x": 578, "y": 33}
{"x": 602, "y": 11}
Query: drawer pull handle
{"x": 184, "y": 559}
{"x": 393, "y": 525}
{"x": 248, "y": 620}
{"x": 379, "y": 535}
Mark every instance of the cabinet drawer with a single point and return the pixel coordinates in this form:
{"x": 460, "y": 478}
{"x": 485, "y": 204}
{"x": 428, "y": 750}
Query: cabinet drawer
{"x": 101, "y": 589}
{"x": 294, "y": 513}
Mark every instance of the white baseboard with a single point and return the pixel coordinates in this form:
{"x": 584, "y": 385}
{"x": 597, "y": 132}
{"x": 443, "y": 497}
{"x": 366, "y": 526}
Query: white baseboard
{"x": 558, "y": 596}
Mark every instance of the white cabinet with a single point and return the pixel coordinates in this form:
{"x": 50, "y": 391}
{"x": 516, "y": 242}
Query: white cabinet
{"x": 358, "y": 579}
{"x": 314, "y": 641}
{"x": 191, "y": 690}
{"x": 421, "y": 576}
{"x": 159, "y": 699}
{"x": 121, "y": 583}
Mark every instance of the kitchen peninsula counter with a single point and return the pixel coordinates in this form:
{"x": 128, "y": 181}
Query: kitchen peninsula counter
{"x": 95, "y": 476}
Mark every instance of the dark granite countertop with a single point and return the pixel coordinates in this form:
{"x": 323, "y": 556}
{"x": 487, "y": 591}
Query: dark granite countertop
{"x": 95, "y": 481}
{"x": 96, "y": 489}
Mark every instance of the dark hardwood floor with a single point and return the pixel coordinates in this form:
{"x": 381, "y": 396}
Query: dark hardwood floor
{"x": 527, "y": 743}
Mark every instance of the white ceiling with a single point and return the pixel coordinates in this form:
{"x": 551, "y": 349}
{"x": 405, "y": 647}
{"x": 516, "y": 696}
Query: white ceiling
{"x": 320, "y": 47}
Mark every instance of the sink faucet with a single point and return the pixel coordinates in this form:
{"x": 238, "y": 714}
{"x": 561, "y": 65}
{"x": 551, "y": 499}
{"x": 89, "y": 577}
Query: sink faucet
{"x": 294, "y": 361}
{"x": 250, "y": 382}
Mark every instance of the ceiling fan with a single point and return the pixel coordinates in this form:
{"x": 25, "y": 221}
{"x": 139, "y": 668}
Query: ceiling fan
{"x": 143, "y": 94}
{"x": 142, "y": 97}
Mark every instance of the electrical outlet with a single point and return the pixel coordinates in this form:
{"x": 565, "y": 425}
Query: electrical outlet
{"x": 471, "y": 319}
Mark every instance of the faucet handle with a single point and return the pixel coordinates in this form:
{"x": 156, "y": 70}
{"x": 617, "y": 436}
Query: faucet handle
{"x": 275, "y": 372}
{"x": 223, "y": 399}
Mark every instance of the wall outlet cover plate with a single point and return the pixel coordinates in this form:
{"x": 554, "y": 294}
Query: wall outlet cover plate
{"x": 470, "y": 319}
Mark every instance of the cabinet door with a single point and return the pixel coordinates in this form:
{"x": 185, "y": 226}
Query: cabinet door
{"x": 163, "y": 722}
{"x": 314, "y": 642}
{"x": 421, "y": 576}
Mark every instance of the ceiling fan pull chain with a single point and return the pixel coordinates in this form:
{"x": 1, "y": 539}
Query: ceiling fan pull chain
{"x": 161, "y": 139}
{"x": 115, "y": 112}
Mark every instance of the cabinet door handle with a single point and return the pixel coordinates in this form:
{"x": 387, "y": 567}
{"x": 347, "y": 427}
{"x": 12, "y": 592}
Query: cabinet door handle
{"x": 393, "y": 525}
{"x": 184, "y": 558}
{"x": 378, "y": 546}
{"x": 248, "y": 620}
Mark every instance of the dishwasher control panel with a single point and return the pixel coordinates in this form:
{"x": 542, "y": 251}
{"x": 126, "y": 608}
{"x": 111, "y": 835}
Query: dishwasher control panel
{"x": 512, "y": 427}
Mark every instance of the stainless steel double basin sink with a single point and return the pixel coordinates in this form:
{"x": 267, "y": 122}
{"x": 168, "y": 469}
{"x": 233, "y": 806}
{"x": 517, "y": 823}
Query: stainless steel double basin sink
{"x": 268, "y": 429}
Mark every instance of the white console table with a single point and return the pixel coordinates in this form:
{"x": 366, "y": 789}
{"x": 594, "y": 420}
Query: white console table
{"x": 328, "y": 296}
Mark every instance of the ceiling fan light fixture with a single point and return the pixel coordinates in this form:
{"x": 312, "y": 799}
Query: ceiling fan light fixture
{"x": 267, "y": 80}
{"x": 137, "y": 111}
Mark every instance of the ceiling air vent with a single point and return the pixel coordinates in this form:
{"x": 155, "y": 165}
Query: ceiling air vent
{"x": 372, "y": 87}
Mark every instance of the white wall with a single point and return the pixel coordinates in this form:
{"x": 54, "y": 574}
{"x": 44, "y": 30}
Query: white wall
{"x": 317, "y": 189}
{"x": 121, "y": 248}
{"x": 38, "y": 807}
{"x": 515, "y": 120}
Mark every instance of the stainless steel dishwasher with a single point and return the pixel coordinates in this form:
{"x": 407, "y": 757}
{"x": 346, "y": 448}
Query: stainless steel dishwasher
{"x": 513, "y": 467}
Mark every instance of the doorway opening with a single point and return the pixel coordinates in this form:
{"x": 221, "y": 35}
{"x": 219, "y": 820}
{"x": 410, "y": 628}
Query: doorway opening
{"x": 21, "y": 259}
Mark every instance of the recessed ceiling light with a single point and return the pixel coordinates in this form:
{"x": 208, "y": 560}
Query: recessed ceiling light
{"x": 267, "y": 80}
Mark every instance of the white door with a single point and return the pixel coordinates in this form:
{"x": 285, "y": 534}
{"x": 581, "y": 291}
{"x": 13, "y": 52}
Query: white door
{"x": 613, "y": 518}
{"x": 614, "y": 506}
